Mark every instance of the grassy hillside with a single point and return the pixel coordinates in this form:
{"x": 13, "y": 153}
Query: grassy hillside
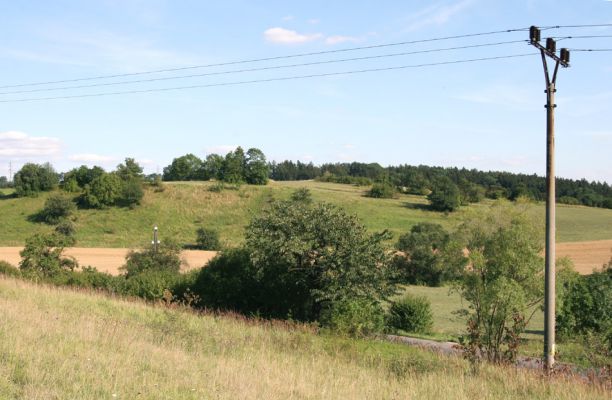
{"x": 183, "y": 207}
{"x": 90, "y": 346}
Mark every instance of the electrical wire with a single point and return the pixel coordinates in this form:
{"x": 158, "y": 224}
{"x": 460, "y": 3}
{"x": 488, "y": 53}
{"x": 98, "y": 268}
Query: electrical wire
{"x": 272, "y": 79}
{"x": 266, "y": 68}
{"x": 377, "y": 46}
{"x": 590, "y": 49}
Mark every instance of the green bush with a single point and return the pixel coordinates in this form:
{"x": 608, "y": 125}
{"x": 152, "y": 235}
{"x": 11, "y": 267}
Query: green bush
{"x": 354, "y": 318}
{"x": 166, "y": 258}
{"x": 302, "y": 195}
{"x": 445, "y": 195}
{"x": 9, "y": 270}
{"x": 34, "y": 178}
{"x": 66, "y": 228}
{"x": 57, "y": 208}
{"x": 131, "y": 193}
{"x": 208, "y": 239}
{"x": 587, "y": 305}
{"x": 42, "y": 256}
{"x": 103, "y": 191}
{"x": 149, "y": 285}
{"x": 381, "y": 191}
{"x": 411, "y": 314}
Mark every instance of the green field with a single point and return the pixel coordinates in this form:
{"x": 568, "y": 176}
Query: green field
{"x": 183, "y": 207}
{"x": 96, "y": 347}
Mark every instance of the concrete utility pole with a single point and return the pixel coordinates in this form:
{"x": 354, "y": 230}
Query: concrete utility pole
{"x": 155, "y": 241}
{"x": 549, "y": 284}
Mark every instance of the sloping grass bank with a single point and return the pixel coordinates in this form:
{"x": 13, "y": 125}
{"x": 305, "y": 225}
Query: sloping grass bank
{"x": 56, "y": 343}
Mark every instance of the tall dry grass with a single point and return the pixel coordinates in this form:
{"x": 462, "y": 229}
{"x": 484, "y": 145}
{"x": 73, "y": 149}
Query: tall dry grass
{"x": 60, "y": 344}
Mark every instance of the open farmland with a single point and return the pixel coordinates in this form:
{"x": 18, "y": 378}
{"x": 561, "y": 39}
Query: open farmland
{"x": 99, "y": 347}
{"x": 183, "y": 207}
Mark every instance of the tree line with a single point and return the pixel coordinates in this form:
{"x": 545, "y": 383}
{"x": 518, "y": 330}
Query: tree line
{"x": 473, "y": 185}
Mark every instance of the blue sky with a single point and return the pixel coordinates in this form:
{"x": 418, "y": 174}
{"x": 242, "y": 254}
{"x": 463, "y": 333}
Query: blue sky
{"x": 487, "y": 115}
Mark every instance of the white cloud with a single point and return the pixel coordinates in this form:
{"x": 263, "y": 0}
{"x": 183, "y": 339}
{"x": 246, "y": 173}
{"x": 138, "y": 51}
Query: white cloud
{"x": 437, "y": 14}
{"x": 91, "y": 158}
{"x": 288, "y": 18}
{"x": 287, "y": 36}
{"x": 221, "y": 149}
{"x": 313, "y": 21}
{"x": 337, "y": 39}
{"x": 15, "y": 144}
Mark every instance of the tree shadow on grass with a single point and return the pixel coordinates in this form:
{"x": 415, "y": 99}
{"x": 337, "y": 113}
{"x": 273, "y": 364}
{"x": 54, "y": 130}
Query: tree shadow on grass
{"x": 417, "y": 206}
{"x": 534, "y": 331}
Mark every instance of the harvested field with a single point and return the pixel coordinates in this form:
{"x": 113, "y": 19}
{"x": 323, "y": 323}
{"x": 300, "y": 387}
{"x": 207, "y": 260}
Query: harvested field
{"x": 109, "y": 260}
{"x": 586, "y": 255}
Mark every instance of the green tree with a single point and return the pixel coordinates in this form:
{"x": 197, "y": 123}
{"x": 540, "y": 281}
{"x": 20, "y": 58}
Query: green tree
{"x": 165, "y": 259}
{"x": 382, "y": 191}
{"x": 445, "y": 195}
{"x": 131, "y": 192}
{"x": 504, "y": 282}
{"x": 308, "y": 257}
{"x": 184, "y": 168}
{"x": 56, "y": 209}
{"x": 211, "y": 167}
{"x": 82, "y": 175}
{"x": 428, "y": 256}
{"x": 42, "y": 256}
{"x": 32, "y": 179}
{"x": 233, "y": 170}
{"x": 207, "y": 239}
{"x": 256, "y": 169}
{"x": 103, "y": 191}
{"x": 129, "y": 170}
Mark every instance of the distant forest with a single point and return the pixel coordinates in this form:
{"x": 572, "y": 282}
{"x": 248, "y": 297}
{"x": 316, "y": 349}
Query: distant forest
{"x": 473, "y": 184}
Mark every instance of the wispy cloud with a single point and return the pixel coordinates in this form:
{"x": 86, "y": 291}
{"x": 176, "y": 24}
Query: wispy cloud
{"x": 288, "y": 18}
{"x": 99, "y": 48}
{"x": 437, "y": 14}
{"x": 313, "y": 21}
{"x": 15, "y": 144}
{"x": 288, "y": 36}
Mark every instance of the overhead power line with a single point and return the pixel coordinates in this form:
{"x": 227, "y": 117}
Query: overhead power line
{"x": 295, "y": 77}
{"x": 265, "y": 68}
{"x": 590, "y": 50}
{"x": 377, "y": 46}
{"x": 577, "y": 26}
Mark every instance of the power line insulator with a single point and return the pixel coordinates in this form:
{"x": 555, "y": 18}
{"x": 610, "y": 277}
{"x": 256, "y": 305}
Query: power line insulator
{"x": 534, "y": 34}
{"x": 565, "y": 55}
{"x": 551, "y": 45}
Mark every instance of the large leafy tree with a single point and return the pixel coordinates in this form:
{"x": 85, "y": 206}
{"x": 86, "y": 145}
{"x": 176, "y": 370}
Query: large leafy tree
{"x": 256, "y": 169}
{"x": 445, "y": 195}
{"x": 184, "y": 168}
{"x": 308, "y": 257}
{"x": 32, "y": 179}
{"x": 234, "y": 165}
{"x": 129, "y": 170}
{"x": 104, "y": 191}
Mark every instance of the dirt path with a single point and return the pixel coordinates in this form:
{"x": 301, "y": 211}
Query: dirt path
{"x": 109, "y": 260}
{"x": 586, "y": 256}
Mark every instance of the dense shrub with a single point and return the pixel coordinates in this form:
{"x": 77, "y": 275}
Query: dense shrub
{"x": 207, "y": 239}
{"x": 42, "y": 256}
{"x": 66, "y": 228}
{"x": 34, "y": 178}
{"x": 165, "y": 258}
{"x": 302, "y": 195}
{"x": 411, "y": 314}
{"x": 445, "y": 195}
{"x": 230, "y": 282}
{"x": 587, "y": 305}
{"x": 355, "y": 318}
{"x": 381, "y": 191}
{"x": 149, "y": 285}
{"x": 103, "y": 191}
{"x": 131, "y": 192}
{"x": 56, "y": 209}
{"x": 7, "y": 269}
{"x": 428, "y": 256}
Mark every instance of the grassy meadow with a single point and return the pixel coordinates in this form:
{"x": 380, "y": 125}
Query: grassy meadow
{"x": 183, "y": 207}
{"x": 91, "y": 346}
